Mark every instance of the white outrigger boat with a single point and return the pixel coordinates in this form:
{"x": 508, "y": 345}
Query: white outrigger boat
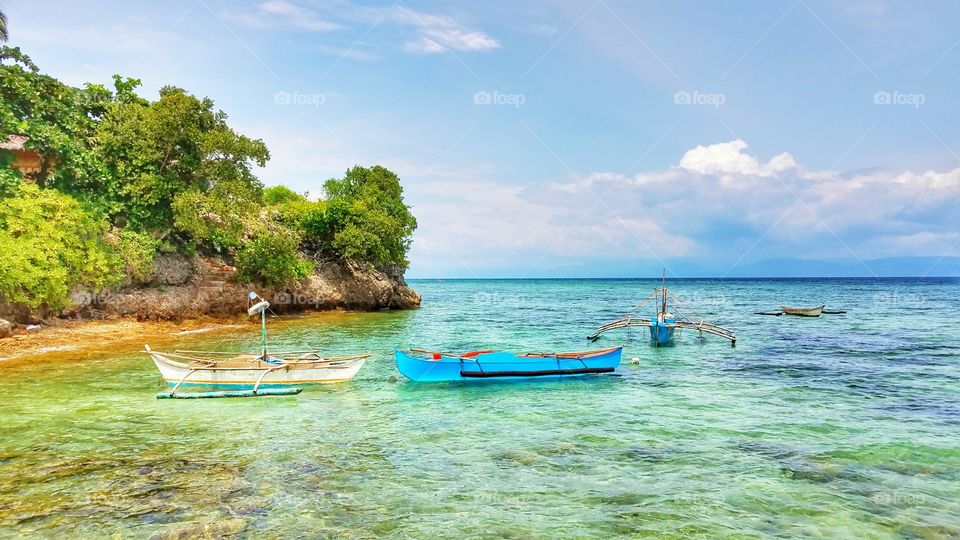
{"x": 251, "y": 374}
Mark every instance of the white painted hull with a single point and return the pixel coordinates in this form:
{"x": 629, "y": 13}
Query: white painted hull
{"x": 242, "y": 378}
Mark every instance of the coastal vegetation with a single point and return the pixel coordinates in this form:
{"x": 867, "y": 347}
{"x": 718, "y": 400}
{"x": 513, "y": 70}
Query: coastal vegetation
{"x": 119, "y": 179}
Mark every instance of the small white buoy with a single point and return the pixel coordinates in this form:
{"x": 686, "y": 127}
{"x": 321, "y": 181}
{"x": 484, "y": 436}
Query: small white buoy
{"x": 634, "y": 360}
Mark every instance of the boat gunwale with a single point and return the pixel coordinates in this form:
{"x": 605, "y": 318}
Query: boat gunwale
{"x": 417, "y": 354}
{"x": 215, "y": 365}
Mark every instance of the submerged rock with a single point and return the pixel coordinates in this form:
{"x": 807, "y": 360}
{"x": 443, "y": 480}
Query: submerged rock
{"x": 224, "y": 528}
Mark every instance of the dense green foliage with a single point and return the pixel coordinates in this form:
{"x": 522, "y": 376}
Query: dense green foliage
{"x": 367, "y": 218}
{"x": 280, "y": 195}
{"x": 155, "y": 151}
{"x": 272, "y": 256}
{"x": 219, "y": 217}
{"x": 136, "y": 250}
{"x": 121, "y": 177}
{"x": 50, "y": 244}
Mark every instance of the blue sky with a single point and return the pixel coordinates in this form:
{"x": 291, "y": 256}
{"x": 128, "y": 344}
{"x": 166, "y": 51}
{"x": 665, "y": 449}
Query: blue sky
{"x": 597, "y": 137}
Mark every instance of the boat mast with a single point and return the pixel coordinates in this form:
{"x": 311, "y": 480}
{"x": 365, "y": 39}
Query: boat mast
{"x": 263, "y": 334}
{"x": 260, "y": 306}
{"x": 663, "y": 309}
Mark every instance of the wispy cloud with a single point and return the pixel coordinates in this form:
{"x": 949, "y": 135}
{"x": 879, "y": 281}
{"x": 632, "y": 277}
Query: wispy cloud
{"x": 439, "y": 33}
{"x": 420, "y": 32}
{"x": 288, "y": 15}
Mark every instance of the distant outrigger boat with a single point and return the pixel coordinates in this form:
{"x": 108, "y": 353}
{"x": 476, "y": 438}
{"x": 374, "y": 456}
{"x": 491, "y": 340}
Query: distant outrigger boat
{"x": 803, "y": 312}
{"x": 664, "y": 323}
{"x": 251, "y": 374}
{"x": 431, "y": 366}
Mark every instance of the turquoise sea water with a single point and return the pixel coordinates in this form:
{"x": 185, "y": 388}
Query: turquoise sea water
{"x": 843, "y": 426}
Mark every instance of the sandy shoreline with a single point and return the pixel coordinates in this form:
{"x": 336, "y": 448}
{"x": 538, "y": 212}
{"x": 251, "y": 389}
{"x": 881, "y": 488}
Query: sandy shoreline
{"x": 79, "y": 335}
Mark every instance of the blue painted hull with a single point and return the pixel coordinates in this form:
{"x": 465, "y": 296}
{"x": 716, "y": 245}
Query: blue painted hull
{"x": 504, "y": 366}
{"x": 661, "y": 333}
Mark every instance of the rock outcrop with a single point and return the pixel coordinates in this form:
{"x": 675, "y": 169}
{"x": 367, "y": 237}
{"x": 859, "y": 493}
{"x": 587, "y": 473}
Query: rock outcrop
{"x": 184, "y": 288}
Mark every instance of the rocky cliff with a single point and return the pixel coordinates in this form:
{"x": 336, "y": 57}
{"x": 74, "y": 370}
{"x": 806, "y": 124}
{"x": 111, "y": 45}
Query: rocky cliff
{"x": 182, "y": 288}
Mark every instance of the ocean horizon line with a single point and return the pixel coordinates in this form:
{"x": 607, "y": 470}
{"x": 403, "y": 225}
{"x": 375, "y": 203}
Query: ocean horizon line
{"x": 683, "y": 278}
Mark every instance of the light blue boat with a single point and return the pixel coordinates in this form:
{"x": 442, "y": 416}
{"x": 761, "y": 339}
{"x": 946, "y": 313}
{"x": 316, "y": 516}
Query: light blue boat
{"x": 661, "y": 330}
{"x": 429, "y": 366}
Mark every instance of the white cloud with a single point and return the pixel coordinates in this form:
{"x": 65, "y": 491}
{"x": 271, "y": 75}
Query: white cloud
{"x": 729, "y": 158}
{"x": 795, "y": 211}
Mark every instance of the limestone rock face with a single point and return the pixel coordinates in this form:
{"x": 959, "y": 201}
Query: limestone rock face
{"x": 172, "y": 269}
{"x": 5, "y": 328}
{"x": 184, "y": 288}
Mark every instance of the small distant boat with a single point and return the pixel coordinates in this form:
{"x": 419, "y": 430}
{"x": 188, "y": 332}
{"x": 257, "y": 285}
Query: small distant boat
{"x": 251, "y": 374}
{"x": 664, "y": 323}
{"x": 431, "y": 366}
{"x": 803, "y": 311}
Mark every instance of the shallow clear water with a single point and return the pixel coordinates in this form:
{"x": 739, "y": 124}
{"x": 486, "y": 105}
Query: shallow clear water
{"x": 844, "y": 426}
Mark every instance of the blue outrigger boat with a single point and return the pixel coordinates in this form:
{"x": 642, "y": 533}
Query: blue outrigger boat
{"x": 431, "y": 366}
{"x": 664, "y": 324}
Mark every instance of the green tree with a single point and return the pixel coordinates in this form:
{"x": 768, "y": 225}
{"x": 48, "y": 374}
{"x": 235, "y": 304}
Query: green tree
{"x": 366, "y": 217}
{"x": 9, "y": 177}
{"x": 155, "y": 151}
{"x": 280, "y": 195}
{"x": 48, "y": 245}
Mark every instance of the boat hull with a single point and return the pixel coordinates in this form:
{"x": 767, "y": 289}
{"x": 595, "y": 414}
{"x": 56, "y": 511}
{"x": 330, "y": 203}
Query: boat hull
{"x": 244, "y": 378}
{"x": 803, "y": 312}
{"x": 505, "y": 366}
{"x": 661, "y": 333}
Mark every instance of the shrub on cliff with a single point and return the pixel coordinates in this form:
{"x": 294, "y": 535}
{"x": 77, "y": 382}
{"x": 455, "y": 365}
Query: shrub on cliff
{"x": 272, "y": 257}
{"x": 50, "y": 244}
{"x": 363, "y": 218}
{"x": 136, "y": 251}
{"x": 220, "y": 217}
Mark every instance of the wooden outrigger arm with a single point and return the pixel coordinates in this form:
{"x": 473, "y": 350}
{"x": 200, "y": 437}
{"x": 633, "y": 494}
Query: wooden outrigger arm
{"x": 709, "y": 328}
{"x": 619, "y": 323}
